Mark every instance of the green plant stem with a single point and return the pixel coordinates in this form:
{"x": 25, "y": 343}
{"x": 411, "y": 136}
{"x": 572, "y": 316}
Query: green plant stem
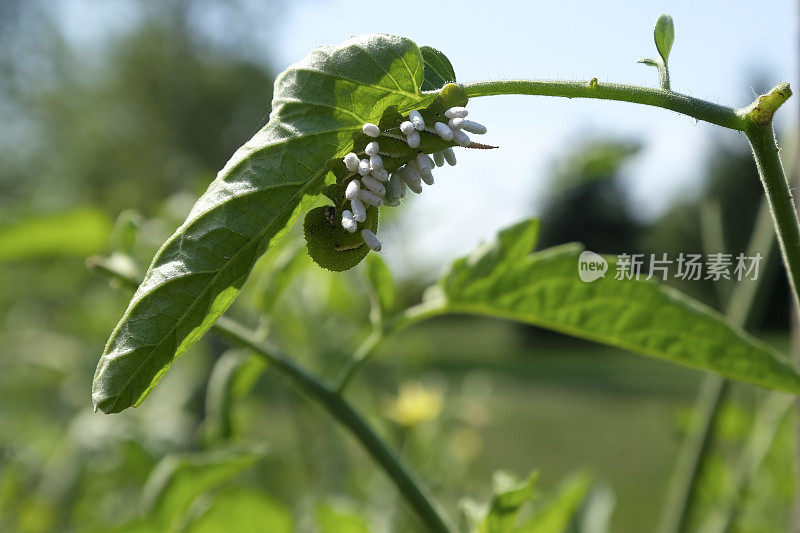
{"x": 342, "y": 411}
{"x": 325, "y": 396}
{"x": 779, "y": 196}
{"x": 686, "y": 105}
{"x": 765, "y": 426}
{"x": 744, "y": 119}
{"x": 754, "y": 120}
{"x": 714, "y": 388}
{"x": 402, "y": 320}
{"x": 360, "y": 357}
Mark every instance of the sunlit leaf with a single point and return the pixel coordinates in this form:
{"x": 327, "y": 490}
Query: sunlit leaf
{"x": 503, "y": 279}
{"x": 281, "y": 270}
{"x": 177, "y": 480}
{"x": 242, "y": 511}
{"x": 318, "y": 109}
{"x": 555, "y": 513}
{"x": 79, "y": 232}
{"x": 381, "y": 283}
{"x": 125, "y": 231}
{"x": 508, "y": 499}
{"x": 233, "y": 374}
{"x": 335, "y": 518}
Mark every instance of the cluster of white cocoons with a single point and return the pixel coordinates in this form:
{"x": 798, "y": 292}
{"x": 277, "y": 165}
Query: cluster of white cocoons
{"x": 372, "y": 184}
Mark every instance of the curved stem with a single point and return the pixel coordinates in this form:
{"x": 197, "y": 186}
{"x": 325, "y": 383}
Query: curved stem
{"x": 325, "y": 396}
{"x": 727, "y": 117}
{"x": 714, "y": 389}
{"x": 402, "y": 320}
{"x": 755, "y": 121}
{"x": 360, "y": 357}
{"x": 342, "y": 411}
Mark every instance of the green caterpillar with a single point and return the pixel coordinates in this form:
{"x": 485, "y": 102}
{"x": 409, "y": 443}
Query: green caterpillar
{"x": 329, "y": 244}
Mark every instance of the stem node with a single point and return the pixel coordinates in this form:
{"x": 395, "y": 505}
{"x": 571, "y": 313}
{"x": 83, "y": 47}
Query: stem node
{"x": 763, "y": 109}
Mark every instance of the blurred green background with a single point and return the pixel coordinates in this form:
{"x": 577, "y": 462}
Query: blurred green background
{"x": 103, "y": 149}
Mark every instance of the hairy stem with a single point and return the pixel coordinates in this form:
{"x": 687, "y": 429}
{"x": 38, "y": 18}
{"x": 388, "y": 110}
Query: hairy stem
{"x": 402, "y": 320}
{"x": 713, "y": 390}
{"x": 754, "y": 120}
{"x": 324, "y": 395}
{"x": 727, "y": 117}
{"x": 779, "y": 196}
{"x": 342, "y": 411}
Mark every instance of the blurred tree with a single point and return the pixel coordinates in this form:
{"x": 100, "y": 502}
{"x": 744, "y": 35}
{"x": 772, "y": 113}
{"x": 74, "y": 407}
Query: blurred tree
{"x": 109, "y": 106}
{"x": 160, "y": 109}
{"x": 587, "y": 203}
{"x": 727, "y": 208}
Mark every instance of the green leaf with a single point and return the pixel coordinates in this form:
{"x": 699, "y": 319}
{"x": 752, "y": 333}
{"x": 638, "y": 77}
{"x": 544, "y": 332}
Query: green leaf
{"x": 337, "y": 518}
{"x": 281, "y": 271}
{"x": 80, "y": 232}
{"x": 242, "y": 511}
{"x": 232, "y": 376}
{"x": 664, "y": 36}
{"x": 125, "y": 231}
{"x": 438, "y": 70}
{"x": 318, "y": 109}
{"x": 503, "y": 279}
{"x": 381, "y": 284}
{"x": 556, "y": 513}
{"x": 178, "y": 479}
{"x": 509, "y": 498}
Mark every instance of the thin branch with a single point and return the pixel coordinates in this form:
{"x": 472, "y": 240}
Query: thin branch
{"x": 321, "y": 393}
{"x": 686, "y": 105}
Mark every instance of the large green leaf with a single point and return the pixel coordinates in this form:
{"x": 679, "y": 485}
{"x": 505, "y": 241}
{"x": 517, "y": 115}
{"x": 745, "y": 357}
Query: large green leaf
{"x": 318, "y": 109}
{"x": 337, "y": 518}
{"x": 242, "y": 511}
{"x": 504, "y": 279}
{"x": 178, "y": 479}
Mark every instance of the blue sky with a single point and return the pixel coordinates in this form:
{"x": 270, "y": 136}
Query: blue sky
{"x": 719, "y": 47}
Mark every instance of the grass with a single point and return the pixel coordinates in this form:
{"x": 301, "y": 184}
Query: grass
{"x": 559, "y": 405}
